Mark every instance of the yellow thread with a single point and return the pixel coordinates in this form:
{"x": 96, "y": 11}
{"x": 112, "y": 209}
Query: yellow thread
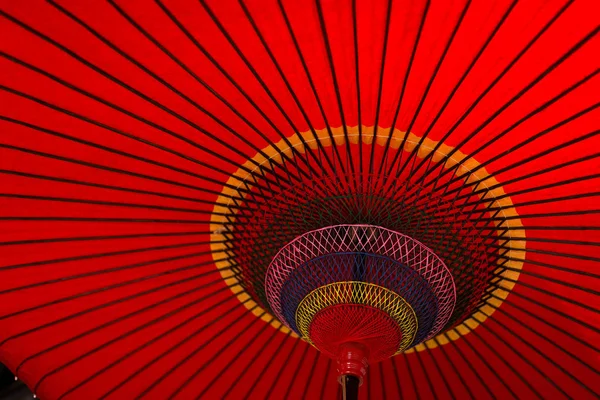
{"x": 353, "y": 292}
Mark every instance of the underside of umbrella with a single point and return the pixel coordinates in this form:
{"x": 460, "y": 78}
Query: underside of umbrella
{"x": 300, "y": 199}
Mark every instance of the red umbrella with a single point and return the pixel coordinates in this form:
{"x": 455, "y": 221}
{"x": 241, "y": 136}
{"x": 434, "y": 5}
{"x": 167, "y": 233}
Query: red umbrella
{"x": 189, "y": 186}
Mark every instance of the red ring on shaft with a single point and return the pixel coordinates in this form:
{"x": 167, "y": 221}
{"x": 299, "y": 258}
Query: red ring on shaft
{"x": 355, "y": 335}
{"x": 353, "y": 360}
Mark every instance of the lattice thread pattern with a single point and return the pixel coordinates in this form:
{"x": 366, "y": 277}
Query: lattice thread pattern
{"x": 370, "y": 268}
{"x": 358, "y": 293}
{"x": 367, "y": 239}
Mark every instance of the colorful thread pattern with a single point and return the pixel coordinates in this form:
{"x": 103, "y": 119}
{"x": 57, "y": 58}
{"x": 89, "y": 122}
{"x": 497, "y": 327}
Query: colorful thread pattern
{"x": 363, "y": 267}
{"x": 358, "y": 293}
{"x": 364, "y": 239}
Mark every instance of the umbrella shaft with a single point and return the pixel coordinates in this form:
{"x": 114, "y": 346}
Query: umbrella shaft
{"x": 350, "y": 385}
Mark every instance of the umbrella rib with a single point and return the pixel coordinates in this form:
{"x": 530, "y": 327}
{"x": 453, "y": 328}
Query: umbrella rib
{"x": 510, "y": 365}
{"x": 396, "y": 378}
{"x": 108, "y": 254}
{"x": 152, "y": 341}
{"x": 531, "y": 114}
{"x": 539, "y": 78}
{"x": 286, "y": 363}
{"x": 252, "y": 361}
{"x": 535, "y": 137}
{"x": 169, "y": 86}
{"x": 100, "y": 238}
{"x": 326, "y": 378}
{"x": 465, "y": 74}
{"x": 168, "y": 351}
{"x": 121, "y": 204}
{"x": 535, "y": 188}
{"x": 288, "y": 86}
{"x": 102, "y": 186}
{"x": 494, "y": 82}
{"x": 548, "y": 200}
{"x": 97, "y": 219}
{"x": 156, "y": 77}
{"x": 332, "y": 71}
{"x": 532, "y": 250}
{"x": 525, "y": 203}
{"x": 262, "y": 83}
{"x": 553, "y": 294}
{"x": 109, "y": 169}
{"x": 388, "y": 18}
{"x": 108, "y": 204}
{"x": 434, "y": 75}
{"x": 114, "y": 321}
{"x": 563, "y": 146}
{"x": 467, "y": 340}
{"x": 294, "y": 374}
{"x": 267, "y": 366}
{"x": 435, "y": 363}
{"x": 139, "y": 328}
{"x": 308, "y": 376}
{"x": 532, "y": 347}
{"x": 538, "y": 333}
{"x": 126, "y": 87}
{"x": 553, "y": 280}
{"x": 469, "y": 365}
{"x": 218, "y": 66}
{"x": 411, "y": 375}
{"x": 537, "y": 215}
{"x": 381, "y": 379}
{"x": 104, "y": 271}
{"x": 199, "y": 348}
{"x": 358, "y": 96}
{"x": 164, "y": 334}
{"x": 113, "y": 150}
{"x": 239, "y": 353}
{"x": 555, "y": 267}
{"x": 545, "y": 321}
{"x": 556, "y": 227}
{"x": 200, "y": 221}
{"x": 121, "y": 153}
{"x": 452, "y": 366}
{"x": 483, "y": 192}
{"x": 401, "y": 98}
{"x": 537, "y": 172}
{"x": 426, "y": 374}
{"x": 544, "y": 306}
{"x": 114, "y": 286}
{"x": 313, "y": 88}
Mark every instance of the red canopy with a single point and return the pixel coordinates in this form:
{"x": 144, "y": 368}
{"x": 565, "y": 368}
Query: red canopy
{"x": 121, "y": 122}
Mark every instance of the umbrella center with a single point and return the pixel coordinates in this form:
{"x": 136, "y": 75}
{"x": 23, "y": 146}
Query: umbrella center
{"x": 360, "y": 293}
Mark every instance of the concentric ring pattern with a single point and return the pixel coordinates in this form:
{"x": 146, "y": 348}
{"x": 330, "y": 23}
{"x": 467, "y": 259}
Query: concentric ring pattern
{"x": 377, "y": 270}
{"x": 156, "y": 155}
{"x": 359, "y": 293}
{"x": 344, "y": 245}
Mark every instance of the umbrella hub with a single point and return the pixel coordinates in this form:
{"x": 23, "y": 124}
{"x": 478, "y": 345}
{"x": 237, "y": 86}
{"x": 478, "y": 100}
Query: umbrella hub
{"x": 360, "y": 293}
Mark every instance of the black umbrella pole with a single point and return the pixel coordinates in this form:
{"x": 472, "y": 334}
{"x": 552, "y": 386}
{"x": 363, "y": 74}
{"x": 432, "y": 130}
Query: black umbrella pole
{"x": 350, "y": 385}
